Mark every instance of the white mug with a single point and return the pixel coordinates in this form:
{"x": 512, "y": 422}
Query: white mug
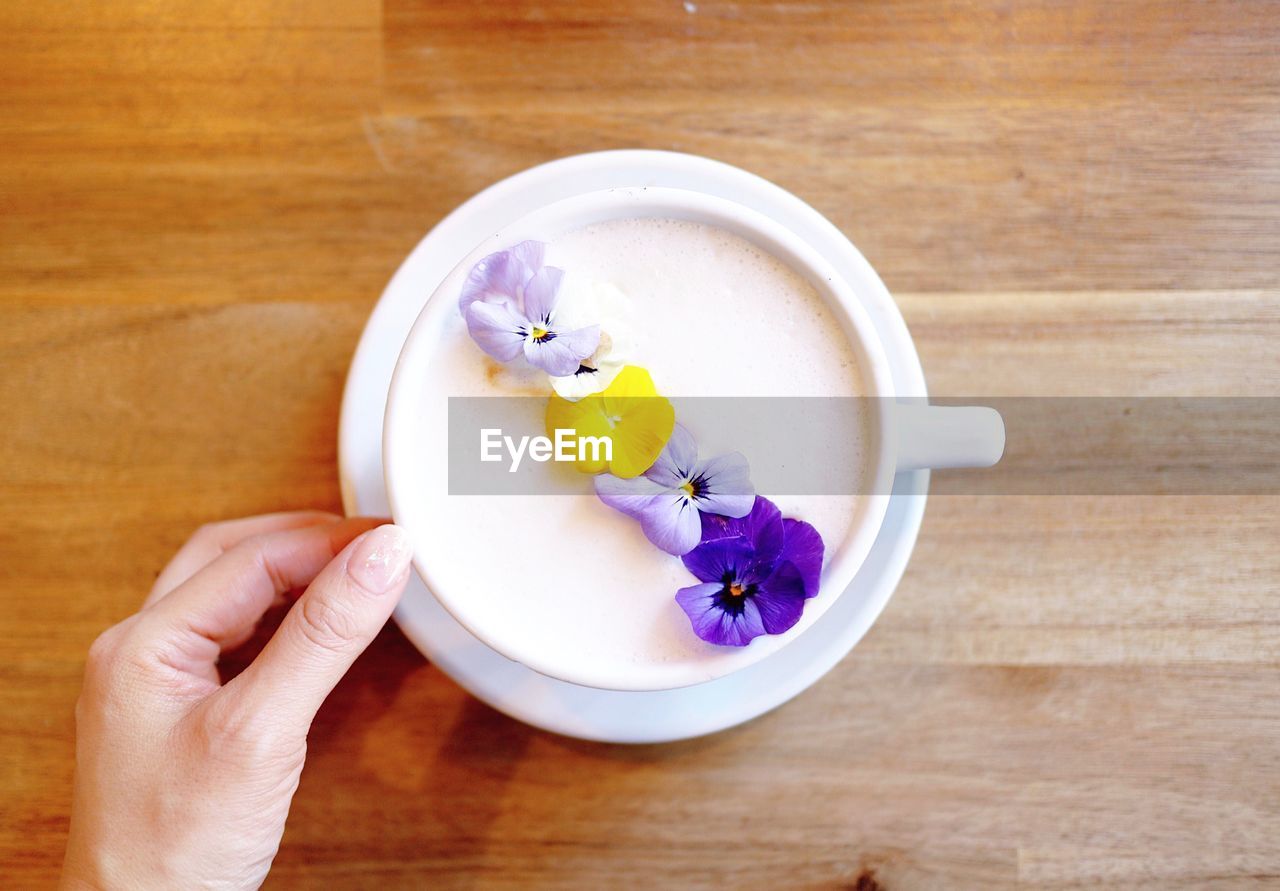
{"x": 902, "y": 436}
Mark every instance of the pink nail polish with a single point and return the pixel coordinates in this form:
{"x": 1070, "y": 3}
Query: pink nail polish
{"x": 380, "y": 560}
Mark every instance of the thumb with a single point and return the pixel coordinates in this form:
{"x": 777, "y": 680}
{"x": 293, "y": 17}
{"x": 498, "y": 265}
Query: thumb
{"x": 330, "y": 625}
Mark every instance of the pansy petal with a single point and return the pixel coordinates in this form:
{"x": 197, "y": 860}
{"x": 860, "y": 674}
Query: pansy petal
{"x": 484, "y": 282}
{"x": 636, "y": 420}
{"x": 672, "y": 467}
{"x": 633, "y": 383}
{"x": 560, "y": 353}
{"x": 762, "y": 528}
{"x": 587, "y": 301}
{"x": 583, "y": 302}
{"x": 765, "y": 525}
{"x": 527, "y": 257}
{"x": 540, "y": 294}
{"x": 500, "y": 276}
{"x": 683, "y": 449}
{"x": 802, "y": 547}
{"x": 700, "y": 604}
{"x": 641, "y": 434}
{"x": 628, "y": 496}
{"x": 715, "y": 561}
{"x": 585, "y": 382}
{"x": 671, "y": 522}
{"x": 580, "y": 341}
{"x": 497, "y": 328}
{"x": 784, "y": 581}
{"x": 581, "y": 419}
{"x": 725, "y": 485}
{"x": 719, "y": 528}
{"x": 739, "y": 630}
{"x": 780, "y": 600}
{"x": 713, "y": 623}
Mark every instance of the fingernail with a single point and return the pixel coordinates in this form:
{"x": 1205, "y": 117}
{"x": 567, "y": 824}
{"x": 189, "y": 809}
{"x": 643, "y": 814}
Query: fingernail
{"x": 380, "y": 560}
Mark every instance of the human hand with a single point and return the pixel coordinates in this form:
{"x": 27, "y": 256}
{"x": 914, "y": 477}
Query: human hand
{"x": 183, "y": 782}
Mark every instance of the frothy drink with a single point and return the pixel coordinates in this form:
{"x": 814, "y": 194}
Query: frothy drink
{"x": 715, "y": 316}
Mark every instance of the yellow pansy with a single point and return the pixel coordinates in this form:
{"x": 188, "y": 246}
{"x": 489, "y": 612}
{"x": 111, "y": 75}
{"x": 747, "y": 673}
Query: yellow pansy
{"x": 629, "y": 413}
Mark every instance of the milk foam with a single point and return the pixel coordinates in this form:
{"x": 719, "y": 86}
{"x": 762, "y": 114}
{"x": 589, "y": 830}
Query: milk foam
{"x": 716, "y": 317}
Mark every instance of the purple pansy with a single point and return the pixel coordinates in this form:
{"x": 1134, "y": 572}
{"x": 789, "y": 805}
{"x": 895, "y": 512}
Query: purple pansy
{"x": 670, "y": 498}
{"x": 509, "y": 302}
{"x": 756, "y": 573}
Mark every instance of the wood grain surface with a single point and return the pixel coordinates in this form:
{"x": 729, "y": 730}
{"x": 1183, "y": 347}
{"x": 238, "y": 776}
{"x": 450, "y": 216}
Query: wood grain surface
{"x": 200, "y": 203}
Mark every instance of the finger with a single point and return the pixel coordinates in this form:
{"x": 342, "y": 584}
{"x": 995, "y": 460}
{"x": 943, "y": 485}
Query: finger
{"x": 324, "y": 632}
{"x": 212, "y": 540}
{"x": 224, "y": 601}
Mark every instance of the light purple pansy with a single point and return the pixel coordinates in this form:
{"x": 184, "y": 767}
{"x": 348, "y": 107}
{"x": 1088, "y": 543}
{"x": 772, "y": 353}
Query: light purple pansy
{"x": 509, "y": 302}
{"x": 756, "y": 573}
{"x": 670, "y": 498}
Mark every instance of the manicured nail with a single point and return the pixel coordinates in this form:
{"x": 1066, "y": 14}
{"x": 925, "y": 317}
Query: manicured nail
{"x": 380, "y": 560}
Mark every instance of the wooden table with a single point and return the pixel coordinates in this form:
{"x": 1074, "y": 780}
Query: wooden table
{"x": 201, "y": 202}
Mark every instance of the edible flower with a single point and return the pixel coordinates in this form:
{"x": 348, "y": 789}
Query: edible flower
{"x": 671, "y": 496}
{"x": 755, "y": 572}
{"x": 629, "y": 413}
{"x": 509, "y": 301}
{"x": 596, "y": 303}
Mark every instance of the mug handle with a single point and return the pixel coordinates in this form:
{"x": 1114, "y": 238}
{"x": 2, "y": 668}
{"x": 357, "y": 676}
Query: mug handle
{"x": 940, "y": 436}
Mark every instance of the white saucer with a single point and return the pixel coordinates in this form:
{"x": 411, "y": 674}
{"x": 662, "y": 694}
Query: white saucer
{"x": 583, "y": 712}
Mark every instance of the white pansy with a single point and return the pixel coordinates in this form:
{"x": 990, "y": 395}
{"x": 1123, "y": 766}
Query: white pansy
{"x": 587, "y": 302}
